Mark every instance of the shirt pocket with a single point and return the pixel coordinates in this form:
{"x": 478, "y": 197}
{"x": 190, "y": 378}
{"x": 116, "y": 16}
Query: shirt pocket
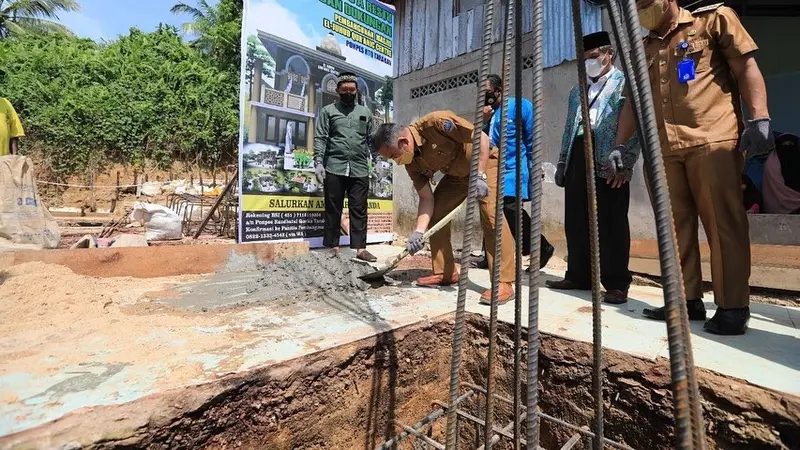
{"x": 700, "y": 52}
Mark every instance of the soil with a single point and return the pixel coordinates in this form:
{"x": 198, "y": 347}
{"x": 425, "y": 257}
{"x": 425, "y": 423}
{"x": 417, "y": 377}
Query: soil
{"x": 49, "y": 304}
{"x": 349, "y": 398}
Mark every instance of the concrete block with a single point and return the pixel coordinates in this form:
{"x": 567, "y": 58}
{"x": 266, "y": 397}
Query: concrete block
{"x": 130, "y": 240}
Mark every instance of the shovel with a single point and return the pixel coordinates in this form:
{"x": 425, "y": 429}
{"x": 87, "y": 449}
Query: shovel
{"x": 378, "y": 274}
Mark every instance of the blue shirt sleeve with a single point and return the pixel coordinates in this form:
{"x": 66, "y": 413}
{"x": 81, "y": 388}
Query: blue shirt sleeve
{"x": 527, "y": 134}
{"x": 494, "y": 135}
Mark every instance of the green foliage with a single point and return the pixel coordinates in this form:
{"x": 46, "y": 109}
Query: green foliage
{"x": 256, "y": 50}
{"x": 147, "y": 96}
{"x": 216, "y": 30}
{"x": 387, "y": 92}
{"x": 19, "y": 18}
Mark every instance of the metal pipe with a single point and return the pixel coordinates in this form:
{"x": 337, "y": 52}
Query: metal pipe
{"x": 588, "y": 152}
{"x": 535, "y": 193}
{"x": 466, "y": 248}
{"x": 674, "y": 296}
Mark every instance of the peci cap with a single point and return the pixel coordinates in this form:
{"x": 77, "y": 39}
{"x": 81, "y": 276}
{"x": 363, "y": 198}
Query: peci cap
{"x": 596, "y": 40}
{"x": 347, "y": 77}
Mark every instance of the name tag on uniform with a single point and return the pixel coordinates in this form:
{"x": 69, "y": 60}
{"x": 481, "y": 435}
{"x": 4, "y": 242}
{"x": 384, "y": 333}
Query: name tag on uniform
{"x": 686, "y": 70}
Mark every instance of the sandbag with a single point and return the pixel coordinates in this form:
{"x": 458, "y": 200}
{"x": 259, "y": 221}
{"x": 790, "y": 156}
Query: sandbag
{"x": 161, "y": 223}
{"x": 25, "y": 222}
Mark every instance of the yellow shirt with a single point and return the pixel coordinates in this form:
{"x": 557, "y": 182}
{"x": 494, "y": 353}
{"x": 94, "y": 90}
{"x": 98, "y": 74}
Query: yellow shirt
{"x": 10, "y": 126}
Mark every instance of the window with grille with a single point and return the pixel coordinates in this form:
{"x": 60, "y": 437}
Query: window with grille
{"x": 445, "y": 85}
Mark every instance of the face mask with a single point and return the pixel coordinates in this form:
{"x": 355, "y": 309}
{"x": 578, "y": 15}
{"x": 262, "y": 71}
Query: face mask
{"x": 405, "y": 158}
{"x": 348, "y": 99}
{"x": 594, "y": 67}
{"x": 651, "y": 16}
{"x": 490, "y": 100}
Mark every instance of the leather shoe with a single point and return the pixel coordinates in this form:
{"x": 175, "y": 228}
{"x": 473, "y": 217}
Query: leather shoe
{"x": 504, "y": 294}
{"x": 616, "y": 297}
{"x": 479, "y": 264}
{"x": 546, "y": 254}
{"x": 697, "y": 311}
{"x": 437, "y": 280}
{"x": 566, "y": 285}
{"x": 728, "y": 322}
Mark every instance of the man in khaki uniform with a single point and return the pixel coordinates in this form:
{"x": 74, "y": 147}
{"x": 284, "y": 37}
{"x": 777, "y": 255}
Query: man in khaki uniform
{"x": 442, "y": 141}
{"x": 700, "y": 63}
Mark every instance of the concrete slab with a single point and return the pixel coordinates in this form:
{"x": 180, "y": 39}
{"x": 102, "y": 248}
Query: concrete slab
{"x": 182, "y": 339}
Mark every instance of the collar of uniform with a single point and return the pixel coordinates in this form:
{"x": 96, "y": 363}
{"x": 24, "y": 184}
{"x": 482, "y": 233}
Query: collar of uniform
{"x": 684, "y": 17}
{"x": 418, "y": 139}
{"x": 605, "y": 77}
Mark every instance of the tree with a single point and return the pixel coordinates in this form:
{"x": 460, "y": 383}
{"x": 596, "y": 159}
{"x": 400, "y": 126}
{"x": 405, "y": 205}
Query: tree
{"x": 216, "y": 31}
{"x": 18, "y": 17}
{"x": 256, "y": 50}
{"x": 385, "y": 95}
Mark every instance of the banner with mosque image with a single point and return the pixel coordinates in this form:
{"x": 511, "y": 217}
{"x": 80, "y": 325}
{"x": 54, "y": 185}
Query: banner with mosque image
{"x": 295, "y": 51}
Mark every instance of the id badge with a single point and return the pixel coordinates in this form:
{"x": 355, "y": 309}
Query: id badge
{"x": 686, "y": 70}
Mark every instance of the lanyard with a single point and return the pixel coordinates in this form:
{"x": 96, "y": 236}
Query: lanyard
{"x": 602, "y": 88}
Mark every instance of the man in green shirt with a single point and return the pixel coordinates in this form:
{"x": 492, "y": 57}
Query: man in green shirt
{"x": 342, "y": 161}
{"x": 10, "y": 128}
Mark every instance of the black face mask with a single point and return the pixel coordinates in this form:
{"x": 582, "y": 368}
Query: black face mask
{"x": 490, "y": 99}
{"x": 348, "y": 99}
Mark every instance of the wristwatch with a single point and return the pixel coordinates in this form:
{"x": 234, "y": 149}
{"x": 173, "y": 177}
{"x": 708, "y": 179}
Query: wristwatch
{"x": 482, "y": 176}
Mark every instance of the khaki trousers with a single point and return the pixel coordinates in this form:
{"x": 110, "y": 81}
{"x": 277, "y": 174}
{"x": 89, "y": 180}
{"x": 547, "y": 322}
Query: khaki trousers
{"x": 450, "y": 193}
{"x": 707, "y": 181}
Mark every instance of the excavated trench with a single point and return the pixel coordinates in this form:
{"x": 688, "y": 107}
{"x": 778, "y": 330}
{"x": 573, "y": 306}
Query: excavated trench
{"x": 350, "y": 397}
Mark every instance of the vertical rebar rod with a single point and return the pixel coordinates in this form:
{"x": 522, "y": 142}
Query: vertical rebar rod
{"x": 535, "y": 192}
{"x": 498, "y": 227}
{"x": 674, "y": 295}
{"x": 466, "y": 248}
{"x": 518, "y": 124}
{"x": 588, "y": 153}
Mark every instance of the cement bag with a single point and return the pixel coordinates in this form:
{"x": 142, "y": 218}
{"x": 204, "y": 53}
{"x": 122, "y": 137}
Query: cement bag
{"x": 25, "y": 223}
{"x": 151, "y": 189}
{"x": 161, "y": 223}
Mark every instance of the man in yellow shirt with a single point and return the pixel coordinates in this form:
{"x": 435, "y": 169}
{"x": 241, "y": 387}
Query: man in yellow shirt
{"x": 10, "y": 128}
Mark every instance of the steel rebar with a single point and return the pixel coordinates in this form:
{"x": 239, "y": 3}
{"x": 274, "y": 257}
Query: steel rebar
{"x": 535, "y": 193}
{"x": 499, "y": 223}
{"x": 466, "y": 248}
{"x": 588, "y": 157}
{"x": 429, "y": 419}
{"x": 674, "y": 295}
{"x": 518, "y": 225}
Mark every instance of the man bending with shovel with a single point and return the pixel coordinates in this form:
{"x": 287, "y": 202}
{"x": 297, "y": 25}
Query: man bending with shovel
{"x": 442, "y": 142}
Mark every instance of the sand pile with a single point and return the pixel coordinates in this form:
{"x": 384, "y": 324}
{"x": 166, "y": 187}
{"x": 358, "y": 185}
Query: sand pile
{"x": 314, "y": 274}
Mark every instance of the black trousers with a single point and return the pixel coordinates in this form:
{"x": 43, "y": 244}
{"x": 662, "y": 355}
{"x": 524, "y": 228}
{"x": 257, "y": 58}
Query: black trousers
{"x": 612, "y": 221}
{"x": 356, "y": 190}
{"x": 510, "y": 214}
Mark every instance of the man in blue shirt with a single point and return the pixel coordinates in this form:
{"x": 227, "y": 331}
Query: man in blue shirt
{"x": 493, "y": 104}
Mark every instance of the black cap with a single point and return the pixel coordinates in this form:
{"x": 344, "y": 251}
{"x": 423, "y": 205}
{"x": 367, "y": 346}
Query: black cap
{"x": 596, "y": 40}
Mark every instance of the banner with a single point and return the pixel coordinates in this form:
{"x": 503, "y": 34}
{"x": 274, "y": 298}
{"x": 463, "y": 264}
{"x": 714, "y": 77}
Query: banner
{"x": 295, "y": 52}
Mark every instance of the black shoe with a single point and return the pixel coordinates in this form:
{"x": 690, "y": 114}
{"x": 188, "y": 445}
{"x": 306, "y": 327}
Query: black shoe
{"x": 482, "y": 264}
{"x": 547, "y": 253}
{"x": 729, "y": 322}
{"x": 567, "y": 285}
{"x": 697, "y": 311}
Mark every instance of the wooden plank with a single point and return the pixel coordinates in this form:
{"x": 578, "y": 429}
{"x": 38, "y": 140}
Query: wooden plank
{"x": 418, "y": 35}
{"x": 405, "y": 50}
{"x": 463, "y": 37}
{"x": 477, "y": 29}
{"x": 527, "y": 16}
{"x": 431, "y": 55}
{"x": 445, "y": 30}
